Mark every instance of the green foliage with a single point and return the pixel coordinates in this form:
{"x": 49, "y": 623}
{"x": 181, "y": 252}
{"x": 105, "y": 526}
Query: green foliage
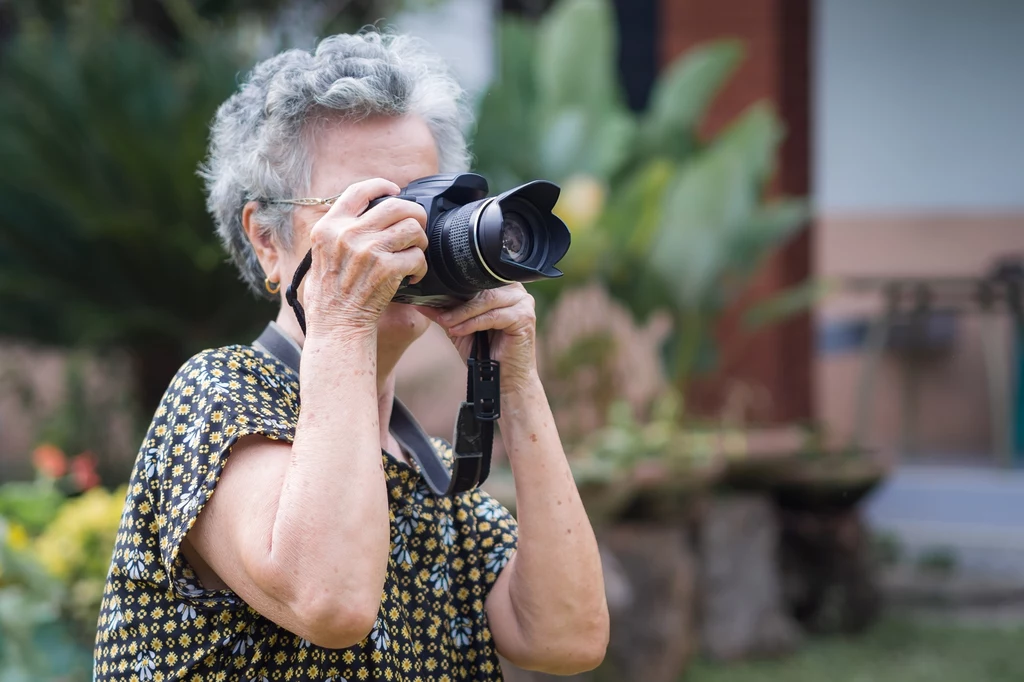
{"x": 624, "y": 442}
{"x": 75, "y": 548}
{"x": 104, "y": 236}
{"x": 663, "y": 218}
{"x": 105, "y": 240}
{"x": 894, "y": 651}
{"x": 681, "y": 96}
{"x": 786, "y": 303}
{"x": 937, "y": 560}
{"x": 32, "y": 505}
{"x": 887, "y": 549}
{"x": 56, "y": 540}
{"x": 29, "y": 606}
{"x": 556, "y": 108}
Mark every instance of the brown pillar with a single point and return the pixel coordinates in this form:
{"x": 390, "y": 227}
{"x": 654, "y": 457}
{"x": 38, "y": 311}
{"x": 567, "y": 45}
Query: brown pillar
{"x": 777, "y": 37}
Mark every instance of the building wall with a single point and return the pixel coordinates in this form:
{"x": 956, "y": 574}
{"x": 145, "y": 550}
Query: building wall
{"x": 919, "y": 105}
{"x": 776, "y": 36}
{"x": 462, "y": 32}
{"x": 917, "y": 171}
{"x": 954, "y": 411}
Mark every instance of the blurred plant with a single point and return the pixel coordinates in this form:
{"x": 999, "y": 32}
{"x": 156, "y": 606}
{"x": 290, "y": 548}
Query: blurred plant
{"x": 29, "y": 601}
{"x": 169, "y": 21}
{"x": 95, "y": 410}
{"x": 887, "y": 549}
{"x": 94, "y": 394}
{"x": 75, "y": 548}
{"x": 592, "y": 354}
{"x": 655, "y": 447}
{"x": 35, "y": 504}
{"x": 56, "y": 538}
{"x": 104, "y": 236}
{"x": 940, "y": 561}
{"x": 663, "y": 218}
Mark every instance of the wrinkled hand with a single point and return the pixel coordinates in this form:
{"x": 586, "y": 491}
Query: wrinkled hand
{"x": 508, "y": 314}
{"x": 360, "y": 257}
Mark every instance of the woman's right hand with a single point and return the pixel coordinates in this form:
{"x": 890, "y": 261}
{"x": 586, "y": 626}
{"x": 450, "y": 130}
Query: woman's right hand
{"x": 360, "y": 257}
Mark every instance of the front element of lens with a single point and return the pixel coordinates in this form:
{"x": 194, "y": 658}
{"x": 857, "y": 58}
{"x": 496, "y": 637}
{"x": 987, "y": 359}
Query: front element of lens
{"x": 516, "y": 238}
{"x": 491, "y": 242}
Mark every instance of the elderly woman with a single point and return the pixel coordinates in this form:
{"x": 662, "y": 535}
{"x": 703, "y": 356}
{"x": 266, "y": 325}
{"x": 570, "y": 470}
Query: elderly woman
{"x": 264, "y": 542}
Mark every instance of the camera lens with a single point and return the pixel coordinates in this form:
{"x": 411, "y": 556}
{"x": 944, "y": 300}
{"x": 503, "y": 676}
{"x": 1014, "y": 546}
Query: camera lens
{"x": 516, "y": 240}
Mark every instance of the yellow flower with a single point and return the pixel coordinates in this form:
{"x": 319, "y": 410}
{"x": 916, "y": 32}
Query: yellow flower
{"x": 17, "y": 537}
{"x": 580, "y": 202}
{"x": 79, "y": 540}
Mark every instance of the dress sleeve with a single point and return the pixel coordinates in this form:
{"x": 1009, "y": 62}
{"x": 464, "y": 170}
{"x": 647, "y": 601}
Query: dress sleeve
{"x": 215, "y": 399}
{"x": 497, "y": 533}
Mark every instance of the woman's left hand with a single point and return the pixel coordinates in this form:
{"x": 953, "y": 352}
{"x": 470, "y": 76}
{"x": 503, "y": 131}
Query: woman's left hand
{"x": 508, "y": 313}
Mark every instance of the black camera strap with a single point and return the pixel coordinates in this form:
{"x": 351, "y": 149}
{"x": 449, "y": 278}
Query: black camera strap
{"x": 473, "y": 439}
{"x": 292, "y": 293}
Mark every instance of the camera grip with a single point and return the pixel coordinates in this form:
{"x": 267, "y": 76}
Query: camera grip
{"x": 291, "y": 295}
{"x": 405, "y": 197}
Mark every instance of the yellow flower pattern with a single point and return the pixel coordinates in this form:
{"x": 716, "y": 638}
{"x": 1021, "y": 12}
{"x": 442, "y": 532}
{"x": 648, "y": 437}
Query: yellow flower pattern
{"x": 158, "y": 623}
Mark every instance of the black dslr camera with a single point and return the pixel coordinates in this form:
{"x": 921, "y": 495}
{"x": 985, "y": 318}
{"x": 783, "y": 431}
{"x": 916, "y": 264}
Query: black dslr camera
{"x": 478, "y": 242}
{"x": 475, "y": 242}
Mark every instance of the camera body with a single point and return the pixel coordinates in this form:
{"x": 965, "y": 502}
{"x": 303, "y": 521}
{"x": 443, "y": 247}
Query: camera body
{"x": 478, "y": 242}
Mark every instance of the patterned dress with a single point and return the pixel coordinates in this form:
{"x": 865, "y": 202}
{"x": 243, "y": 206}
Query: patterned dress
{"x": 158, "y": 623}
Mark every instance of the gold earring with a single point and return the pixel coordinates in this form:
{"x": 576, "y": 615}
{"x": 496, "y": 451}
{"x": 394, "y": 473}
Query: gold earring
{"x": 273, "y": 288}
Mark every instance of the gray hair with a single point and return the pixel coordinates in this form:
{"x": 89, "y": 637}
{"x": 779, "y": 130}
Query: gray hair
{"x": 259, "y": 137}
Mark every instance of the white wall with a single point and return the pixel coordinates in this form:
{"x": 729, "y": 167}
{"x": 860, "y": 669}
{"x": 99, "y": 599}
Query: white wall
{"x": 919, "y": 105}
{"x": 462, "y": 31}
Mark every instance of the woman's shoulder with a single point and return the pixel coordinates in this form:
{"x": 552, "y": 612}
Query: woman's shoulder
{"x": 235, "y": 357}
{"x": 233, "y": 369}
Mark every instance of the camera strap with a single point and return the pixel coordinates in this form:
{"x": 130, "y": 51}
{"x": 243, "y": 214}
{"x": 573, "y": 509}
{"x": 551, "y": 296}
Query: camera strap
{"x": 473, "y": 437}
{"x": 292, "y": 293}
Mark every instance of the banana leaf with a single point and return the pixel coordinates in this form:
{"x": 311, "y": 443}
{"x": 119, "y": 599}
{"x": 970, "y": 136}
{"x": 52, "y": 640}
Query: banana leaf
{"x": 505, "y": 138}
{"x": 576, "y": 52}
{"x": 681, "y": 96}
{"x": 709, "y": 223}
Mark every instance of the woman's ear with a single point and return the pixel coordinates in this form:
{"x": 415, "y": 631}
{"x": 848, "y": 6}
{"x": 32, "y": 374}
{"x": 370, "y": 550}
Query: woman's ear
{"x": 266, "y": 250}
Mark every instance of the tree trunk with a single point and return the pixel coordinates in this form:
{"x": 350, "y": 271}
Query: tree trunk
{"x": 831, "y": 578}
{"x": 742, "y": 610}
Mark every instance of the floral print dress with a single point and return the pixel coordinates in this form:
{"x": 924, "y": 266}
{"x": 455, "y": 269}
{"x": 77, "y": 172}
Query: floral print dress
{"x": 158, "y": 623}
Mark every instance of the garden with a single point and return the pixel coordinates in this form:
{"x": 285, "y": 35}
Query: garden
{"x": 733, "y": 550}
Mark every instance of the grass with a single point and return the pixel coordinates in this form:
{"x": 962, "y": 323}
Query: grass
{"x": 894, "y": 651}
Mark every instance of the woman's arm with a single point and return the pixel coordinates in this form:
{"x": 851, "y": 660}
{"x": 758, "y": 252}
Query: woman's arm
{"x": 301, "y": 532}
{"x": 547, "y": 609}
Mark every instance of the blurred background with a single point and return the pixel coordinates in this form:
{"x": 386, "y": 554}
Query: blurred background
{"x": 786, "y": 357}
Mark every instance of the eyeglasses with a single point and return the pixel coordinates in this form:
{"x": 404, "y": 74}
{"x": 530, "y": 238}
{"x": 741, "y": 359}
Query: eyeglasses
{"x": 309, "y": 201}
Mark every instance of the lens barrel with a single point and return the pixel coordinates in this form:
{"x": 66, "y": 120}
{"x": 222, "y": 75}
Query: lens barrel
{"x": 478, "y": 242}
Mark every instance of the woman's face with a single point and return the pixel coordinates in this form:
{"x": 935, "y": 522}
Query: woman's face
{"x": 396, "y": 149}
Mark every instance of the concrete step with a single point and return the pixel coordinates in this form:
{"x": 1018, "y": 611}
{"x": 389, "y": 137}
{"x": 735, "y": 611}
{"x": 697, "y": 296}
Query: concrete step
{"x": 974, "y": 514}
